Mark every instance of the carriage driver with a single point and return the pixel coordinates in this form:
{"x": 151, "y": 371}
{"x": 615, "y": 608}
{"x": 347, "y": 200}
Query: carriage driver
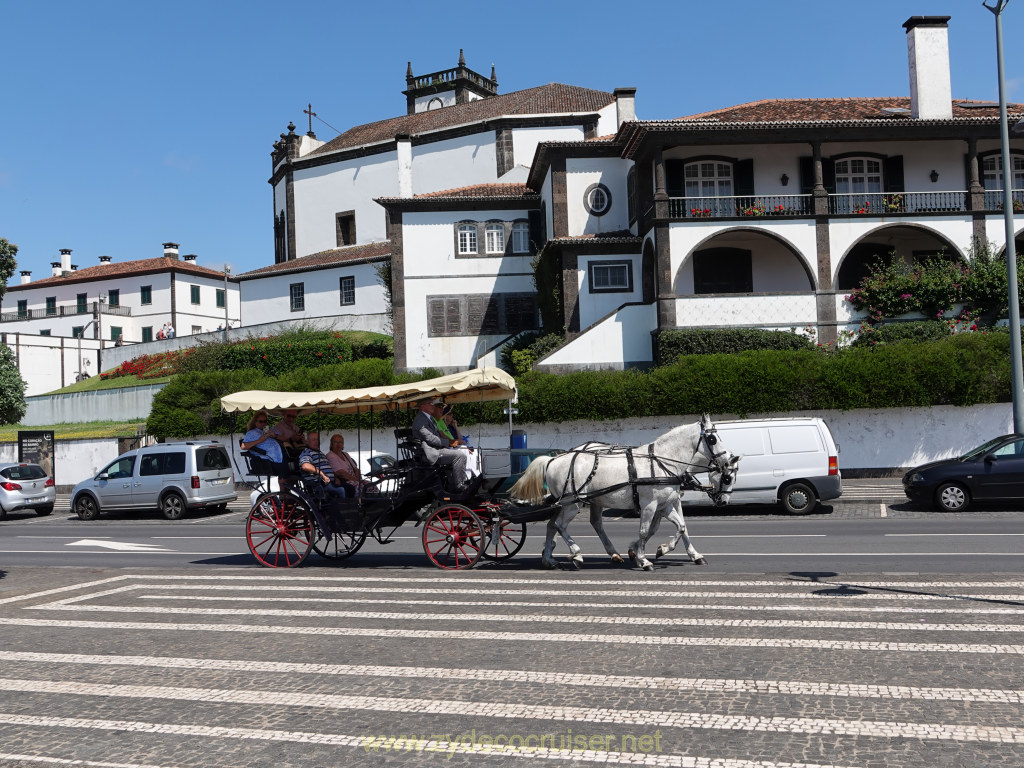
{"x": 437, "y": 448}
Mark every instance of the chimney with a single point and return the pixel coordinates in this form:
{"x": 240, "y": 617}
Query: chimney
{"x": 26, "y": 277}
{"x": 928, "y": 51}
{"x": 625, "y": 105}
{"x": 190, "y": 257}
{"x": 74, "y": 267}
{"x": 65, "y": 259}
{"x": 104, "y": 259}
{"x": 171, "y": 250}
{"x": 55, "y": 267}
{"x": 403, "y": 146}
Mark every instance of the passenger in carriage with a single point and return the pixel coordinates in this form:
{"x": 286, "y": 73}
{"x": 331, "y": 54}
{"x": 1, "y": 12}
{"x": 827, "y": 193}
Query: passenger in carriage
{"x": 288, "y": 433}
{"x": 316, "y": 465}
{"x": 438, "y": 449}
{"x": 345, "y": 468}
{"x": 261, "y": 439}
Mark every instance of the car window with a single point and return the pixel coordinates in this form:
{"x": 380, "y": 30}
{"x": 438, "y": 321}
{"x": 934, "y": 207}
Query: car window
{"x": 212, "y": 458}
{"x": 24, "y": 472}
{"x": 981, "y": 450}
{"x": 121, "y": 468}
{"x": 1014, "y": 450}
{"x": 165, "y": 463}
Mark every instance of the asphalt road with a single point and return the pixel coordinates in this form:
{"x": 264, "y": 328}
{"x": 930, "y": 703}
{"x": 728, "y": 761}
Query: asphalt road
{"x": 870, "y": 530}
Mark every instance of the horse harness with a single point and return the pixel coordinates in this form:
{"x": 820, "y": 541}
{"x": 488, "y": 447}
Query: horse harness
{"x": 685, "y": 481}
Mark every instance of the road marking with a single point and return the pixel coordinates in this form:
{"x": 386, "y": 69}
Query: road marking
{"x": 71, "y": 761}
{"x": 540, "y": 637}
{"x": 376, "y": 745}
{"x": 517, "y": 710}
{"x": 682, "y": 684}
{"x": 120, "y": 546}
{"x": 677, "y": 621}
{"x": 958, "y": 535}
{"x": 886, "y": 609}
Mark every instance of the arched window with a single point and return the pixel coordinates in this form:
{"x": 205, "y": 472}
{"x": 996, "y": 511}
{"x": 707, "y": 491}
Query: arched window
{"x": 858, "y": 174}
{"x": 992, "y": 171}
{"x": 706, "y": 180}
{"x": 495, "y": 238}
{"x": 467, "y": 238}
{"x": 521, "y": 237}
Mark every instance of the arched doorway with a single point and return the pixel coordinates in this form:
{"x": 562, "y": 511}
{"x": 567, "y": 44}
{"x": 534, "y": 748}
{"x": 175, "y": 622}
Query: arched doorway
{"x": 912, "y": 245}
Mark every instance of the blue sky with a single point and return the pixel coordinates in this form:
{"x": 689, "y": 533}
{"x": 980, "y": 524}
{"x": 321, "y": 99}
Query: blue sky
{"x": 128, "y": 124}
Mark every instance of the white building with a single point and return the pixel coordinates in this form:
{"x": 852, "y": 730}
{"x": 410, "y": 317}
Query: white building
{"x": 339, "y": 288}
{"x": 41, "y": 320}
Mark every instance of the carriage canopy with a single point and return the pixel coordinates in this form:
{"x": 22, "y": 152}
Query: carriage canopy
{"x": 476, "y": 385}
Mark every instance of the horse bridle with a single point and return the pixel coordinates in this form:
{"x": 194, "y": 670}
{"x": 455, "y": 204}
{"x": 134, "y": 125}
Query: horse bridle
{"x": 726, "y": 476}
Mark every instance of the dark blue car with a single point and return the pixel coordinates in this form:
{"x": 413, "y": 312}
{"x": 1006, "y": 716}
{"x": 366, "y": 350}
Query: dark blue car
{"x": 991, "y": 472}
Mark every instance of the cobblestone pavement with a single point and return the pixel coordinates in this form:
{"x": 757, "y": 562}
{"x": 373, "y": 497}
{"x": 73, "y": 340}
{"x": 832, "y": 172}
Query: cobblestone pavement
{"x": 417, "y": 667}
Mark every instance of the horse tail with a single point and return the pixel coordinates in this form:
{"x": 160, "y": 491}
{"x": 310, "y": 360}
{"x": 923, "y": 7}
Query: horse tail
{"x": 530, "y": 487}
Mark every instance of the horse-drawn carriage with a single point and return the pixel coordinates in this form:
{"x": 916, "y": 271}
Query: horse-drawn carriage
{"x": 460, "y": 528}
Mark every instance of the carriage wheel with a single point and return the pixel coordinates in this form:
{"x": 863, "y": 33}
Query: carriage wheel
{"x": 510, "y": 540}
{"x": 453, "y": 537}
{"x": 279, "y": 530}
{"x": 340, "y": 545}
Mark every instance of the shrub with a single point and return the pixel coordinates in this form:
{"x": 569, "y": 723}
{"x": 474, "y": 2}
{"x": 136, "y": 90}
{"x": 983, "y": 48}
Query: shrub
{"x": 673, "y": 342}
{"x": 890, "y": 333}
{"x": 519, "y": 356}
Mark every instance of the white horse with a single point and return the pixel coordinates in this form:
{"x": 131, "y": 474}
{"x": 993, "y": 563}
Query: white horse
{"x": 601, "y": 476}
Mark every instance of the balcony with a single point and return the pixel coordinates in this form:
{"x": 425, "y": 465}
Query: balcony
{"x": 856, "y": 204}
{"x": 896, "y": 203}
{"x": 65, "y": 310}
{"x": 740, "y": 207}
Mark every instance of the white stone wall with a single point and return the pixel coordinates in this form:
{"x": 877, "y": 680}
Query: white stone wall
{"x": 624, "y": 335}
{"x": 594, "y": 306}
{"x": 580, "y": 174}
{"x": 39, "y": 360}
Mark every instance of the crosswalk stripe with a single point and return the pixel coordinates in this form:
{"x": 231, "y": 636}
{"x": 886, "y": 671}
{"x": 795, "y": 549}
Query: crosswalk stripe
{"x": 518, "y": 711}
{"x": 515, "y": 637}
{"x": 377, "y": 744}
{"x": 782, "y": 687}
{"x": 573, "y": 618}
{"x": 888, "y": 609}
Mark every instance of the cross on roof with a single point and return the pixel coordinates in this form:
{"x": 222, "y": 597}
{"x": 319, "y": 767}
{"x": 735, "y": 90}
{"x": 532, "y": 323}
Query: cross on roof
{"x": 309, "y": 111}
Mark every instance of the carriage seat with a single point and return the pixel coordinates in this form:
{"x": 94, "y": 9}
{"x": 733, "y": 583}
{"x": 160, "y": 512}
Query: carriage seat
{"x": 259, "y": 464}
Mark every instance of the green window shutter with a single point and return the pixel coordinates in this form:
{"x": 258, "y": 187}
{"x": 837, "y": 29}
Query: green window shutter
{"x": 893, "y": 168}
{"x": 675, "y": 184}
{"x": 828, "y": 174}
{"x": 743, "y": 172}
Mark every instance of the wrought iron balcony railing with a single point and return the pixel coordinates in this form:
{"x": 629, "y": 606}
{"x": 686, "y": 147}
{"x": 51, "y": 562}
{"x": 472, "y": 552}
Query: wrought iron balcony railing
{"x": 65, "y": 310}
{"x": 744, "y": 207}
{"x": 896, "y": 203}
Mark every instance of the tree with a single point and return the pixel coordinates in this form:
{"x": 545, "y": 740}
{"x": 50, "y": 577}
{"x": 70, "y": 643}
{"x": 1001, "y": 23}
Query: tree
{"x": 12, "y": 386}
{"x": 7, "y": 263}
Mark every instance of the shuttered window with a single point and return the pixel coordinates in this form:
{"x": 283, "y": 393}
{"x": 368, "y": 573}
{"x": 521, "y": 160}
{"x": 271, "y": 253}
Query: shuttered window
{"x": 481, "y": 314}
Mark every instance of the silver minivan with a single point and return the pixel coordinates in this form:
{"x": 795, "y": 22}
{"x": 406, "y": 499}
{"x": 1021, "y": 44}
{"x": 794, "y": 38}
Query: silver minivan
{"x": 793, "y": 462}
{"x": 171, "y": 477}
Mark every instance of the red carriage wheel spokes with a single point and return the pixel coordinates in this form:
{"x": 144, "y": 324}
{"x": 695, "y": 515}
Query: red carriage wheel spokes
{"x": 279, "y": 531}
{"x": 510, "y": 540}
{"x": 453, "y": 537}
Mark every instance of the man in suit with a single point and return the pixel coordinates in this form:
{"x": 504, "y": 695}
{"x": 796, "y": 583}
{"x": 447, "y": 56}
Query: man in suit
{"x": 438, "y": 449}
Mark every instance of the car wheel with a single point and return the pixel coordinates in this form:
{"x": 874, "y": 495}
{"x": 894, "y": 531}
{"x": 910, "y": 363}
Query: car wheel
{"x": 173, "y": 506}
{"x": 44, "y": 511}
{"x": 798, "y": 499}
{"x": 952, "y": 497}
{"x": 86, "y": 508}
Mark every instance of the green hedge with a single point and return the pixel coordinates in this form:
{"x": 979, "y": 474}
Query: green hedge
{"x": 673, "y": 342}
{"x": 891, "y": 333}
{"x": 963, "y": 369}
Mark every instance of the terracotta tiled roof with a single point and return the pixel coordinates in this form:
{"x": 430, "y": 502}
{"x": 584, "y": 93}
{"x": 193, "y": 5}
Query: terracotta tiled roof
{"x": 553, "y": 98}
{"x": 822, "y": 110}
{"x": 481, "y": 190}
{"x": 323, "y": 260}
{"x": 118, "y": 269}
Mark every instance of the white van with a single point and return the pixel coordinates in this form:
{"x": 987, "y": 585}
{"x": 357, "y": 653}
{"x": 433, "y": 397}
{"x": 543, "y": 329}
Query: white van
{"x": 792, "y": 462}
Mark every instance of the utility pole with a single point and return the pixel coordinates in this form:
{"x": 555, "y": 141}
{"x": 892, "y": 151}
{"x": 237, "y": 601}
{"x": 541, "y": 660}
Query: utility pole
{"x": 1017, "y": 370}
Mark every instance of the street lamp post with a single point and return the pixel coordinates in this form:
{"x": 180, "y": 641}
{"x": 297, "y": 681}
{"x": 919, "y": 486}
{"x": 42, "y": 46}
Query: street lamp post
{"x": 80, "y": 335}
{"x": 1017, "y": 369}
{"x": 227, "y": 271}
